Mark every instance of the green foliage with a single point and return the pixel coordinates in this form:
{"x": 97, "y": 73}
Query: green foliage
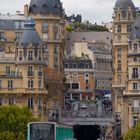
{"x": 69, "y": 28}
{"x": 13, "y": 122}
{"x": 133, "y": 133}
{"x": 85, "y": 26}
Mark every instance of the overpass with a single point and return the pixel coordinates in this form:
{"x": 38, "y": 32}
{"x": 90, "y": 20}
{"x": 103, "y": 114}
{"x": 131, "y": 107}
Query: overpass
{"x": 87, "y": 121}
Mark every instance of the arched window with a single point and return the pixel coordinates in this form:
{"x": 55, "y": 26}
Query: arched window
{"x": 75, "y": 77}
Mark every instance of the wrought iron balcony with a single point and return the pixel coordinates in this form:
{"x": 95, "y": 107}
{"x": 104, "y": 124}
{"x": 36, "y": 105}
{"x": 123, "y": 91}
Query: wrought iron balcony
{"x": 135, "y": 75}
{"x": 40, "y": 73}
{"x": 30, "y": 73}
{"x": 135, "y": 109}
{"x": 10, "y": 74}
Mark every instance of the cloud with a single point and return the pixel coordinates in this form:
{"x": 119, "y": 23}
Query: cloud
{"x": 92, "y": 10}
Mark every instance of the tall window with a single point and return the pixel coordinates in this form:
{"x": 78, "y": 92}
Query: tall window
{"x": 128, "y": 28}
{"x": 45, "y": 26}
{"x": 30, "y": 55}
{"x": 135, "y": 47}
{"x": 30, "y": 84}
{"x": 30, "y": 103}
{"x": 10, "y": 84}
{"x": 55, "y": 49}
{"x": 75, "y": 77}
{"x": 20, "y": 55}
{"x": 45, "y": 36}
{"x": 135, "y": 86}
{"x": 2, "y": 36}
{"x": 40, "y": 73}
{"x": 18, "y": 35}
{"x": 39, "y": 84}
{"x": 135, "y": 120}
{"x": 30, "y": 71}
{"x": 40, "y": 55}
{"x": 8, "y": 70}
{"x": 135, "y": 73}
{"x": 11, "y": 101}
{"x": 39, "y": 103}
{"x": 119, "y": 52}
{"x": 119, "y": 28}
{"x": 119, "y": 16}
{"x": 119, "y": 66}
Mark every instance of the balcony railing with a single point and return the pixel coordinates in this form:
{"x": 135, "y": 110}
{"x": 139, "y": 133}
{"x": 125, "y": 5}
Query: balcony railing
{"x": 10, "y": 74}
{"x": 135, "y": 75}
{"x": 135, "y": 109}
{"x": 40, "y": 73}
{"x": 8, "y": 59}
{"x": 30, "y": 73}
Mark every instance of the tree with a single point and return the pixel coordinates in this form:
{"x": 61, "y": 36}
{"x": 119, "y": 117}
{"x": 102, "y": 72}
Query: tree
{"x": 13, "y": 122}
{"x": 133, "y": 133}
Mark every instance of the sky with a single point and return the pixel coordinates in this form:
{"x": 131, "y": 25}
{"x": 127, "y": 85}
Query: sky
{"x": 92, "y": 10}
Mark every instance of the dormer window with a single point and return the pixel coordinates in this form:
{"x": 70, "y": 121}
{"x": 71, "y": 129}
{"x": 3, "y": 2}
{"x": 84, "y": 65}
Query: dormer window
{"x": 44, "y": 5}
{"x": 135, "y": 47}
{"x": 119, "y": 16}
{"x": 34, "y": 6}
{"x": 55, "y": 6}
{"x": 30, "y": 55}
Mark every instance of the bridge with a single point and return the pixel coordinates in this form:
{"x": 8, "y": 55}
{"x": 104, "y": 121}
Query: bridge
{"x": 87, "y": 121}
{"x": 93, "y": 115}
{"x": 87, "y": 117}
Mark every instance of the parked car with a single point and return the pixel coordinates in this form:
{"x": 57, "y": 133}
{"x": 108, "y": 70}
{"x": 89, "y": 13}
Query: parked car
{"x": 83, "y": 106}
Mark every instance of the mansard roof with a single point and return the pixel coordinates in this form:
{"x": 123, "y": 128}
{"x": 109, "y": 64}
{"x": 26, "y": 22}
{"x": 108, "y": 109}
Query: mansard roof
{"x": 46, "y": 7}
{"x": 124, "y": 4}
{"x": 29, "y": 34}
{"x": 135, "y": 32}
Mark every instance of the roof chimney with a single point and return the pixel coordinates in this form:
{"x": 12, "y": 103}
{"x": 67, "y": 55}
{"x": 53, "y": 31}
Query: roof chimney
{"x": 26, "y": 13}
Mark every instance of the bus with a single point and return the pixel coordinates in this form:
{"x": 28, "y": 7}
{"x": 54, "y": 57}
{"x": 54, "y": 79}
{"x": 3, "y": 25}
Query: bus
{"x": 49, "y": 131}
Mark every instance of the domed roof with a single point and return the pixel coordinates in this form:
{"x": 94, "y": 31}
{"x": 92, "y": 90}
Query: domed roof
{"x": 135, "y": 32}
{"x": 29, "y": 34}
{"x": 124, "y": 4}
{"x": 46, "y": 7}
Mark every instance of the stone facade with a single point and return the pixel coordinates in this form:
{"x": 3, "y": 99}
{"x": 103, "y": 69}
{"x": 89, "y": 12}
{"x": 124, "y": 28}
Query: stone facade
{"x": 125, "y": 51}
{"x": 17, "y": 73}
{"x": 79, "y": 80}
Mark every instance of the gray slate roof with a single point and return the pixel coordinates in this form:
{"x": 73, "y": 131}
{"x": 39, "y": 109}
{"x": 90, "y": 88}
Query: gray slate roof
{"x": 100, "y": 50}
{"x": 46, "y": 7}
{"x": 135, "y": 32}
{"x": 124, "y": 4}
{"x": 88, "y": 37}
{"x": 29, "y": 34}
{"x": 8, "y": 21}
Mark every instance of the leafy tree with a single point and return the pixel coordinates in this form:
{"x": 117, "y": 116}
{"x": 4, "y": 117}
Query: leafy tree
{"x": 85, "y": 26}
{"x": 13, "y": 122}
{"x": 133, "y": 133}
{"x": 69, "y": 28}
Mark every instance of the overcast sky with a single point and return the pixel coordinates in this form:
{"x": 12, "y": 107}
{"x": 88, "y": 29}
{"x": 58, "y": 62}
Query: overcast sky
{"x": 92, "y": 10}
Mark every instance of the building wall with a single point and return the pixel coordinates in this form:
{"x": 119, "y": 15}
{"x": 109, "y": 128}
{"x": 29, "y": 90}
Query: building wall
{"x": 121, "y": 30}
{"x": 81, "y": 80}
